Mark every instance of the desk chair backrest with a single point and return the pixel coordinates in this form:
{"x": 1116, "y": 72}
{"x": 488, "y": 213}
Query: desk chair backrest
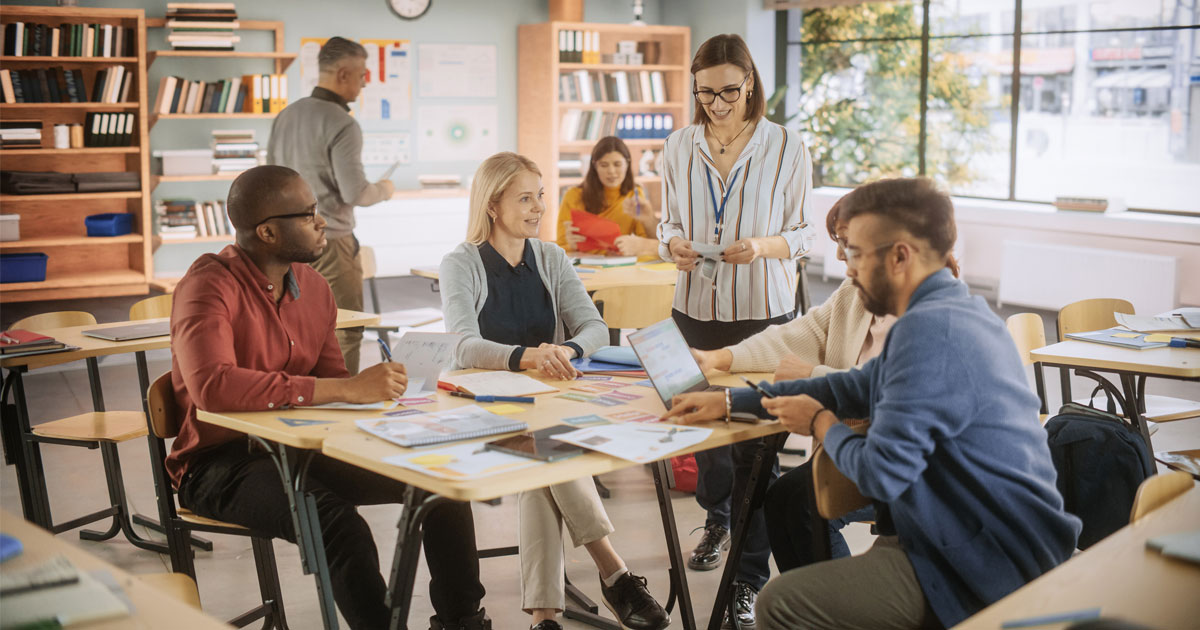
{"x": 835, "y": 494}
{"x": 1027, "y": 332}
{"x": 366, "y": 259}
{"x": 151, "y": 308}
{"x": 635, "y": 306}
{"x": 1088, "y": 315}
{"x": 1157, "y": 491}
{"x": 54, "y": 319}
{"x": 163, "y": 416}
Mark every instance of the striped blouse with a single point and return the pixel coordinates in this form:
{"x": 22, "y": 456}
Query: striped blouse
{"x": 769, "y": 192}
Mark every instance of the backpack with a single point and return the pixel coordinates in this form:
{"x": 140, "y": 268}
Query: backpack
{"x": 1101, "y": 460}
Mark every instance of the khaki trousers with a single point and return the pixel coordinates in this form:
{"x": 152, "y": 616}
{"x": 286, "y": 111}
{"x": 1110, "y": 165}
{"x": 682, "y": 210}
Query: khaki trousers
{"x": 872, "y": 591}
{"x": 540, "y": 517}
{"x": 340, "y": 266}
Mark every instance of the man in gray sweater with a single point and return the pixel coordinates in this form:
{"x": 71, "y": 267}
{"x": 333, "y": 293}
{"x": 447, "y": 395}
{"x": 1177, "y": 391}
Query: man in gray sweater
{"x": 317, "y": 137}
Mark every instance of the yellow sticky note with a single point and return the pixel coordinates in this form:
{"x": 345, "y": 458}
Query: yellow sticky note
{"x": 662, "y": 266}
{"x": 432, "y": 460}
{"x": 505, "y": 410}
{"x": 1158, "y": 338}
{"x": 1127, "y": 335}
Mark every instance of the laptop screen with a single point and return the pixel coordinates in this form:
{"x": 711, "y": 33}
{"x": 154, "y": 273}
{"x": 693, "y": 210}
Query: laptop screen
{"x": 667, "y": 360}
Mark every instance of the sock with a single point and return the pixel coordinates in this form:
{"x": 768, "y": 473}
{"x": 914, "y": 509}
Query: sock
{"x": 612, "y": 579}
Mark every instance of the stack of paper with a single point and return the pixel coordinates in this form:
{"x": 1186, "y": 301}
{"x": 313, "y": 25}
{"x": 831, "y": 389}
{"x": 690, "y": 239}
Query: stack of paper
{"x": 499, "y": 384}
{"x": 636, "y": 441}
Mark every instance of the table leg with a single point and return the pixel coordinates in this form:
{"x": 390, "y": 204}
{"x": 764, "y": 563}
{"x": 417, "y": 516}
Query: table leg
{"x": 417, "y": 503}
{"x": 677, "y": 569}
{"x": 1129, "y": 384}
{"x": 757, "y": 484}
{"x": 27, "y": 456}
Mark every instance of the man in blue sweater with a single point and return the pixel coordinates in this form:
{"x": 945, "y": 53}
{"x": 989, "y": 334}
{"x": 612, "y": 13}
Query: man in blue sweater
{"x": 954, "y": 454}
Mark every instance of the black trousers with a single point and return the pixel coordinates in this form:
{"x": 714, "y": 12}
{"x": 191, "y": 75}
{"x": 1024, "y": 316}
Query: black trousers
{"x": 723, "y": 473}
{"x": 233, "y": 484}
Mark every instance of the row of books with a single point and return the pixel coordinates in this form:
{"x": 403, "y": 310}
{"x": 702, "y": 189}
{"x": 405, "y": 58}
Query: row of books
{"x": 30, "y": 39}
{"x": 234, "y": 150}
{"x": 594, "y": 86}
{"x": 251, "y": 93}
{"x": 578, "y": 46}
{"x": 586, "y": 124}
{"x": 18, "y": 342}
{"x": 181, "y": 219}
{"x": 20, "y": 133}
{"x": 202, "y": 25}
{"x": 109, "y": 129}
{"x": 61, "y": 85}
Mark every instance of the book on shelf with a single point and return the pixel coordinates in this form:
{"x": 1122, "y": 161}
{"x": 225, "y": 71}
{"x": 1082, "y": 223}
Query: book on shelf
{"x": 572, "y": 164}
{"x": 21, "y": 133}
{"x": 621, "y": 86}
{"x": 590, "y": 125}
{"x": 181, "y": 219}
{"x": 103, "y": 129}
{"x": 202, "y": 26}
{"x": 31, "y": 39}
{"x": 251, "y": 93}
{"x": 64, "y": 85}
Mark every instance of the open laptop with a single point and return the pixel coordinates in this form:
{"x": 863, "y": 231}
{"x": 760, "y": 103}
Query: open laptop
{"x": 668, "y": 362}
{"x": 131, "y": 332}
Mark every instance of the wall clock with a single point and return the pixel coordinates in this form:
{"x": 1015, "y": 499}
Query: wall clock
{"x": 409, "y": 9}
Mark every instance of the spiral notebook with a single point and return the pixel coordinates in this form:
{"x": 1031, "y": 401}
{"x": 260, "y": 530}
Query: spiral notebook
{"x": 450, "y": 425}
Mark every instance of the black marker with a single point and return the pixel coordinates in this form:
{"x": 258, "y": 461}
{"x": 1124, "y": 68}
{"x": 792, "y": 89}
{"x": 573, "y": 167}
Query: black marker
{"x": 756, "y": 388}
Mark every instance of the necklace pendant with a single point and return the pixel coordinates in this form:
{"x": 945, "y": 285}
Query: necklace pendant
{"x": 722, "y": 150}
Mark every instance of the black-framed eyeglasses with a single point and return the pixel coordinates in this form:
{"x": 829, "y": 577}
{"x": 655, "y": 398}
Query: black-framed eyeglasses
{"x": 729, "y": 95}
{"x": 854, "y": 255}
{"x": 310, "y": 215}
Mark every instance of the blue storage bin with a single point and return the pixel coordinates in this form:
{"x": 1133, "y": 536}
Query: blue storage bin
{"x": 110, "y": 224}
{"x": 29, "y": 267}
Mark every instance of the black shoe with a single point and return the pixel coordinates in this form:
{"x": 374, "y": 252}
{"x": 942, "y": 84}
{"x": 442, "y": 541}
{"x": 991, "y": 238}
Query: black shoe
{"x": 744, "y": 597}
{"x": 707, "y": 555}
{"x": 478, "y": 621}
{"x": 632, "y": 604}
{"x": 548, "y": 624}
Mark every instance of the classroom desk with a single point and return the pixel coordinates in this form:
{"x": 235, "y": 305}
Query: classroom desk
{"x": 601, "y": 278}
{"x": 293, "y": 447}
{"x": 1118, "y": 575}
{"x": 152, "y": 608}
{"x": 21, "y": 446}
{"x": 1088, "y": 358}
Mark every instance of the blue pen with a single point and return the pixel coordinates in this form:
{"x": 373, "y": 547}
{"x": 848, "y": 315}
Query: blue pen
{"x": 513, "y": 399}
{"x": 387, "y": 352}
{"x": 1030, "y": 622}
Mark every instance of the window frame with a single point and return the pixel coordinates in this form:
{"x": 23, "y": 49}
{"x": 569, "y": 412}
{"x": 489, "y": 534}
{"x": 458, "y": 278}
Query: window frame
{"x": 787, "y": 57}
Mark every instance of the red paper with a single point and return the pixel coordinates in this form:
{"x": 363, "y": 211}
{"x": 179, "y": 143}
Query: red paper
{"x": 599, "y": 234}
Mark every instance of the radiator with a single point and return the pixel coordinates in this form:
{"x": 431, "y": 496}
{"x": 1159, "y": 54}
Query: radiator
{"x": 1047, "y": 276}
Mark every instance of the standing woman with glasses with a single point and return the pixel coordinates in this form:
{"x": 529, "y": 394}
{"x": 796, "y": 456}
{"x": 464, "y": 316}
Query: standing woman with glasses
{"x": 735, "y": 190}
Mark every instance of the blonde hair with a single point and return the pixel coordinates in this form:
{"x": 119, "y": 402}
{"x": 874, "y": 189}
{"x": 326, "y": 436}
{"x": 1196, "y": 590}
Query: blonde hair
{"x": 494, "y": 176}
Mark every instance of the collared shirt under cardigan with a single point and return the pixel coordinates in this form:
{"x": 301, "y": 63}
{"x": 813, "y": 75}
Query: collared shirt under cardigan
{"x": 769, "y": 193}
{"x": 234, "y": 348}
{"x": 955, "y": 450}
{"x": 464, "y": 286}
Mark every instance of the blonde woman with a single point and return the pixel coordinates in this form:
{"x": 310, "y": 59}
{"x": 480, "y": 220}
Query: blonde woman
{"x": 519, "y": 305}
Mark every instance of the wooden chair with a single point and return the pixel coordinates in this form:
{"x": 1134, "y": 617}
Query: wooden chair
{"x": 633, "y": 307}
{"x": 101, "y": 430}
{"x": 832, "y": 494}
{"x": 1097, "y": 314}
{"x": 366, "y": 259}
{"x": 1157, "y": 491}
{"x": 163, "y": 423}
{"x": 151, "y": 308}
{"x": 176, "y": 585}
{"x": 1029, "y": 334}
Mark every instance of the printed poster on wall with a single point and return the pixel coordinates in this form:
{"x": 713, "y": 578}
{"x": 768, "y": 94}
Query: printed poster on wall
{"x": 310, "y": 47}
{"x": 457, "y": 70}
{"x": 453, "y": 133}
{"x": 388, "y": 91}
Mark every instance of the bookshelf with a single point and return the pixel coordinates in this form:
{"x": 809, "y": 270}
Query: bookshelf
{"x": 79, "y": 266}
{"x": 279, "y": 60}
{"x": 540, "y": 112}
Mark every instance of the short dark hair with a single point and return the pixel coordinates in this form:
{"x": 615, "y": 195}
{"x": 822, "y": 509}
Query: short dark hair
{"x": 730, "y": 48}
{"x": 254, "y": 192}
{"x": 915, "y": 204}
{"x": 335, "y": 50}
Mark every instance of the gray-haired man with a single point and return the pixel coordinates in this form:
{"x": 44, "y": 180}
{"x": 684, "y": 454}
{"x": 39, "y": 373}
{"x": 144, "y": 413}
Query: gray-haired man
{"x": 317, "y": 137}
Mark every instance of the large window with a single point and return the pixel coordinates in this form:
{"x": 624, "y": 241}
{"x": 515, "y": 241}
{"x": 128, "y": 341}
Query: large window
{"x": 1103, "y": 99}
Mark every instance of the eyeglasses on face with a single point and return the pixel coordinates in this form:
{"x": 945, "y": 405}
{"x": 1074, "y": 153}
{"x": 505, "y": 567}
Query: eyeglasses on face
{"x": 309, "y": 216}
{"x": 854, "y": 255}
{"x": 729, "y": 95}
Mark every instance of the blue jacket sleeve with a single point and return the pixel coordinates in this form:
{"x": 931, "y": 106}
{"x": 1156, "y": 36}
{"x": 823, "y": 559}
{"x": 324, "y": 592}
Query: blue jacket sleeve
{"x": 925, "y": 392}
{"x": 847, "y": 394}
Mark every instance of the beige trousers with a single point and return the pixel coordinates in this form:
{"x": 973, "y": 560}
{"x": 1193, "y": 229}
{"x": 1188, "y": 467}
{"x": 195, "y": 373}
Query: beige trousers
{"x": 340, "y": 266}
{"x": 540, "y": 517}
{"x": 873, "y": 591}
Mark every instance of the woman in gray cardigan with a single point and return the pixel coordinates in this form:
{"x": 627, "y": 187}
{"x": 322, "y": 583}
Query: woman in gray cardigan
{"x": 519, "y": 305}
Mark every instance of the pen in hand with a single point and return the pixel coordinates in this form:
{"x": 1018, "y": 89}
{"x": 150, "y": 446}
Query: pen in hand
{"x": 387, "y": 352}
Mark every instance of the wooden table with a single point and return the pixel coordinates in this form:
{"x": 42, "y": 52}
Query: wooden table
{"x": 342, "y": 440}
{"x": 22, "y": 446}
{"x": 1119, "y": 576}
{"x": 1088, "y": 358}
{"x": 152, "y": 608}
{"x": 596, "y": 278}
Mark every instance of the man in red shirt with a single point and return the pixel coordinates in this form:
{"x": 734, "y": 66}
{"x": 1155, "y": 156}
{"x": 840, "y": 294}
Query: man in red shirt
{"x": 252, "y": 328}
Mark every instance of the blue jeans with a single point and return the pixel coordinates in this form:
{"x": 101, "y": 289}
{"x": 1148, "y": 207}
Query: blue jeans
{"x": 789, "y": 521}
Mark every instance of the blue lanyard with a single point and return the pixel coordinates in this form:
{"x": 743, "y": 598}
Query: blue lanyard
{"x": 719, "y": 211}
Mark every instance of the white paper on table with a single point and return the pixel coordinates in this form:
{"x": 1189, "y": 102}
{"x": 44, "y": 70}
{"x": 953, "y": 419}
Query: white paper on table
{"x": 1153, "y": 323}
{"x": 635, "y": 441}
{"x": 466, "y": 461}
{"x": 382, "y": 405}
{"x": 499, "y": 384}
{"x": 424, "y": 355}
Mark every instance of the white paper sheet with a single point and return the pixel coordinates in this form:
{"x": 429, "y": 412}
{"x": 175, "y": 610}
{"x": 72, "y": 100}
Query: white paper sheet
{"x": 500, "y": 384}
{"x": 1154, "y": 323}
{"x": 424, "y": 356}
{"x": 636, "y": 441}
